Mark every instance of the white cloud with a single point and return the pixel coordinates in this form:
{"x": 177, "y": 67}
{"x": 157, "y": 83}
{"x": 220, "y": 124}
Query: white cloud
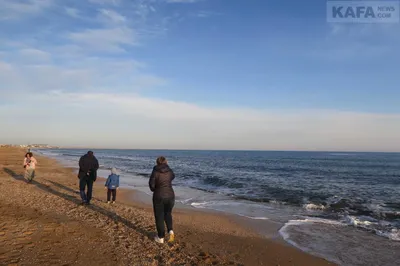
{"x": 346, "y": 42}
{"x": 105, "y": 39}
{"x": 132, "y": 121}
{"x": 106, "y": 2}
{"x": 75, "y": 85}
{"x": 5, "y": 67}
{"x": 359, "y": 31}
{"x": 183, "y": 1}
{"x": 44, "y": 77}
{"x": 76, "y": 74}
{"x": 73, "y": 12}
{"x": 34, "y": 55}
{"x": 113, "y": 16}
{"x": 14, "y": 9}
{"x": 206, "y": 14}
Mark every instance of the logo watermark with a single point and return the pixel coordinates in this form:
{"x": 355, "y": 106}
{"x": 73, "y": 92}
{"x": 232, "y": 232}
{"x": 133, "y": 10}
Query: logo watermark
{"x": 363, "y": 11}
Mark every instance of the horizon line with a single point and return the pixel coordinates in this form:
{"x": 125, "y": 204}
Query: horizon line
{"x": 234, "y": 150}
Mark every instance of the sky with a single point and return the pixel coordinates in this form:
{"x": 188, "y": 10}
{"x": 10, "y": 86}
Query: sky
{"x": 196, "y": 74}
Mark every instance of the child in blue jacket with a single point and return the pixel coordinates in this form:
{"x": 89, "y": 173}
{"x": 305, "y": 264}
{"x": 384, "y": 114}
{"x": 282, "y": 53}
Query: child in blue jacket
{"x": 112, "y": 184}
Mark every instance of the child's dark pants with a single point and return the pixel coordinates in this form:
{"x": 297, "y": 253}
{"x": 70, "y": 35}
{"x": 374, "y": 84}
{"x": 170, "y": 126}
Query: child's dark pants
{"x": 113, "y": 192}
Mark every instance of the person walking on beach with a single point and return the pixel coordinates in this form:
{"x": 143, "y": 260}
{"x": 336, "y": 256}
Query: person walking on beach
{"x": 30, "y": 163}
{"x": 88, "y": 166}
{"x": 112, "y": 184}
{"x": 26, "y": 160}
{"x": 160, "y": 184}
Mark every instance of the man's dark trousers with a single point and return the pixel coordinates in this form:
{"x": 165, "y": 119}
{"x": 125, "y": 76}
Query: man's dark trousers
{"x": 83, "y": 182}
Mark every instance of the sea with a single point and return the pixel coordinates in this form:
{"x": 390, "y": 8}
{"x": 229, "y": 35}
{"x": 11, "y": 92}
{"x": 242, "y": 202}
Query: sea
{"x": 344, "y": 207}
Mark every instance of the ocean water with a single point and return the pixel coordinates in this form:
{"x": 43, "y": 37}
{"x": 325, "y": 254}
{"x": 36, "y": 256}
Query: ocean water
{"x": 344, "y": 207}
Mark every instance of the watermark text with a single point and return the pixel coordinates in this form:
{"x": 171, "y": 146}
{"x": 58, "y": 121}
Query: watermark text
{"x": 363, "y": 11}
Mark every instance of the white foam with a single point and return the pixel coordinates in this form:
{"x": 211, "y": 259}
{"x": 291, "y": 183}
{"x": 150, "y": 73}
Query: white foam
{"x": 330, "y": 239}
{"x": 352, "y": 220}
{"x": 224, "y": 207}
{"x": 394, "y": 234}
{"x": 253, "y": 217}
{"x": 277, "y": 202}
{"x": 312, "y": 206}
{"x": 198, "y": 204}
{"x": 313, "y": 220}
{"x": 185, "y": 201}
{"x": 363, "y": 222}
{"x": 285, "y": 235}
{"x": 256, "y": 218}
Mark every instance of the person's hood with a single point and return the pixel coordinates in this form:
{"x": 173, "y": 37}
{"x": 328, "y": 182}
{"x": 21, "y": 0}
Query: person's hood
{"x": 163, "y": 168}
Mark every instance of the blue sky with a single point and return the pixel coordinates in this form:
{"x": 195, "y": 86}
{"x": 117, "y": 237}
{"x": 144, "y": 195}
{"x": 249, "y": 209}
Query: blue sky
{"x": 204, "y": 74}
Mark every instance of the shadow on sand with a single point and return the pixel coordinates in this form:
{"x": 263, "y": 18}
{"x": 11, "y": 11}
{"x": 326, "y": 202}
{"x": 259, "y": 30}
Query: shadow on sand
{"x": 14, "y": 174}
{"x": 77, "y": 201}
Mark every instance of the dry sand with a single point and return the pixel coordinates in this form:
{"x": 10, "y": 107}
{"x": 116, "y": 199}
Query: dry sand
{"x": 42, "y": 223}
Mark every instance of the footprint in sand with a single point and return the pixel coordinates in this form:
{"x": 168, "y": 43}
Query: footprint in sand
{"x": 30, "y": 245}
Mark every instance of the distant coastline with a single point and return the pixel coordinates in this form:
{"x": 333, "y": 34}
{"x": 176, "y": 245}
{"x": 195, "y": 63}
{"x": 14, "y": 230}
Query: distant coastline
{"x": 334, "y": 152}
{"x": 29, "y": 146}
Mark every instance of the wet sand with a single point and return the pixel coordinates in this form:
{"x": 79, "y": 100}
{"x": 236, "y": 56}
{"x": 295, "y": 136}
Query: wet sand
{"x": 43, "y": 223}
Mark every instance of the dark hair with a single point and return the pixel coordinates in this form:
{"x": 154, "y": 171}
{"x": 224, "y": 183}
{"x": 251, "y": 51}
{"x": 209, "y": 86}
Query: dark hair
{"x": 90, "y": 153}
{"x": 30, "y": 154}
{"x": 161, "y": 160}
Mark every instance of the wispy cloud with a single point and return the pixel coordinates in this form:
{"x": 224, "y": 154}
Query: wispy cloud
{"x": 183, "y": 1}
{"x": 347, "y": 42}
{"x": 110, "y": 40}
{"x": 84, "y": 56}
{"x": 191, "y": 126}
{"x": 106, "y": 2}
{"x": 113, "y": 16}
{"x": 5, "y": 67}
{"x": 88, "y": 74}
{"x": 73, "y": 12}
{"x": 205, "y": 14}
{"x": 14, "y": 9}
{"x": 34, "y": 55}
{"x": 68, "y": 67}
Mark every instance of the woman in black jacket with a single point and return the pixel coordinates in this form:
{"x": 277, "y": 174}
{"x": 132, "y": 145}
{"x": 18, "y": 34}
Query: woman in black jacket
{"x": 160, "y": 184}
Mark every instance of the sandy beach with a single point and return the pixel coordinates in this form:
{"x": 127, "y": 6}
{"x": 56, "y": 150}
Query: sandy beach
{"x": 42, "y": 223}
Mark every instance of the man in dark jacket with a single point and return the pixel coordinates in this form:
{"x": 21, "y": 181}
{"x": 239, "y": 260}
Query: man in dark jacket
{"x": 160, "y": 184}
{"x": 87, "y": 174}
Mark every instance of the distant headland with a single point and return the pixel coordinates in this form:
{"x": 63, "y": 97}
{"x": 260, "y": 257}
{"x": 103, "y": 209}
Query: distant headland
{"x": 30, "y": 146}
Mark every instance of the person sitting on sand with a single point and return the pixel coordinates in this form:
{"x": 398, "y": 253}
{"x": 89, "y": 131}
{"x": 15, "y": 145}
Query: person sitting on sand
{"x": 160, "y": 184}
{"x": 87, "y": 174}
{"x": 30, "y": 165}
{"x": 112, "y": 184}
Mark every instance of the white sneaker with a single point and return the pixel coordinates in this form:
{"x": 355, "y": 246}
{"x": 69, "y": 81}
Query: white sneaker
{"x": 108, "y": 202}
{"x": 159, "y": 240}
{"x": 171, "y": 236}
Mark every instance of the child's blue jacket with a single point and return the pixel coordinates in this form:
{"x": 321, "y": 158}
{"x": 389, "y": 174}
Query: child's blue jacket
{"x": 112, "y": 181}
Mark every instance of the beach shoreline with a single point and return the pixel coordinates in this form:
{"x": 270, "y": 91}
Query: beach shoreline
{"x": 136, "y": 198}
{"x": 203, "y": 237}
